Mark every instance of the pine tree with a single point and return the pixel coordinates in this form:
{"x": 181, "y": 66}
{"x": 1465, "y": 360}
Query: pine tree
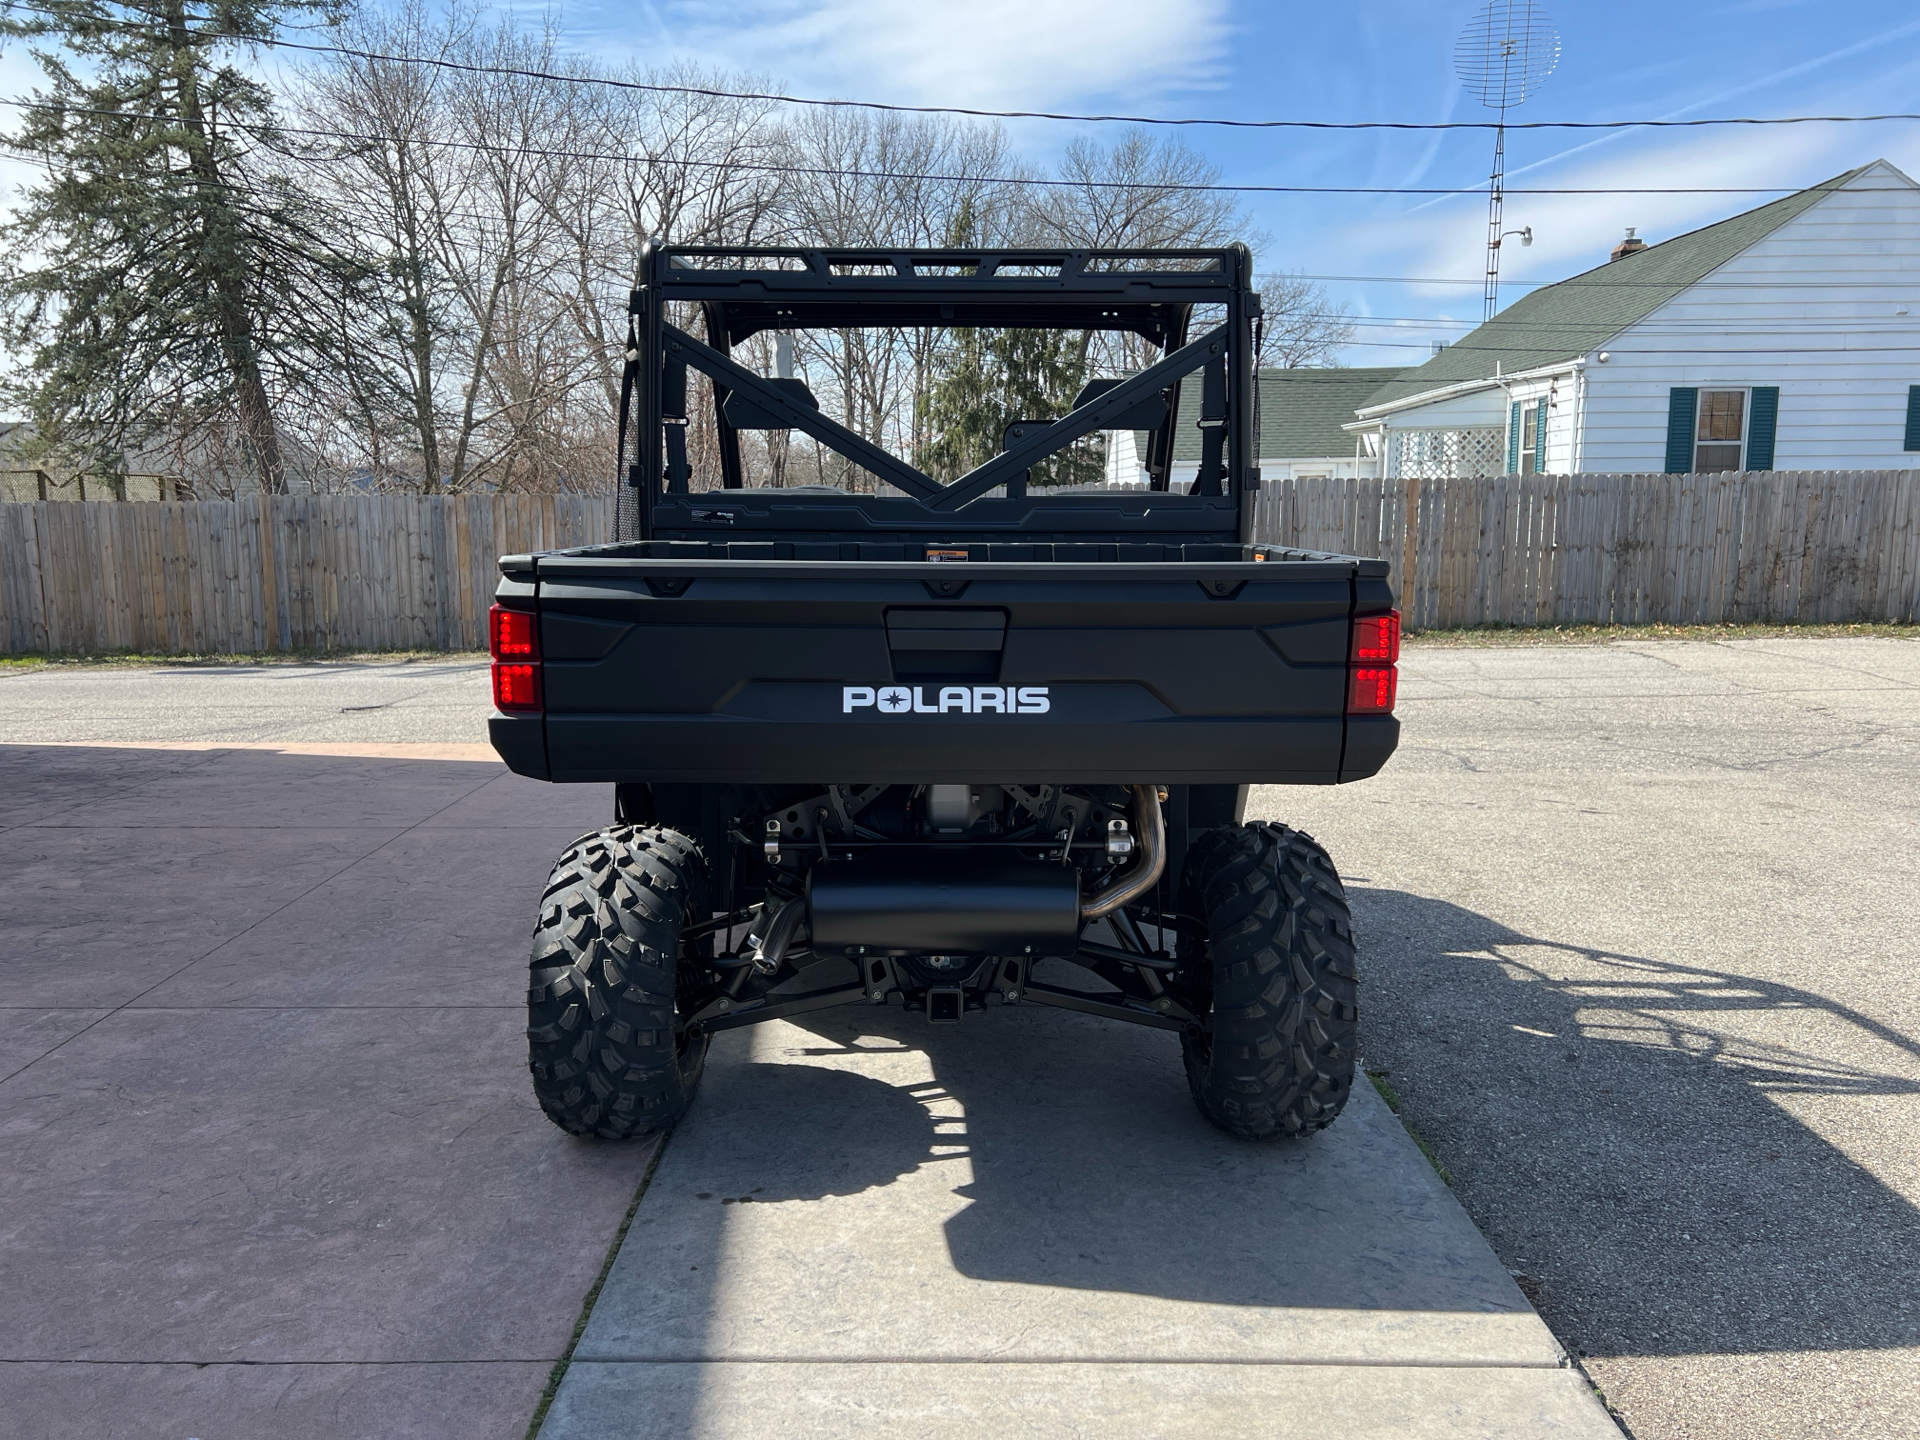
{"x": 986, "y": 380}
{"x": 173, "y": 280}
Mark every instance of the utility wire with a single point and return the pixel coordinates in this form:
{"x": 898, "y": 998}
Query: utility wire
{"x": 1660, "y": 350}
{"x": 1374, "y": 321}
{"x": 751, "y": 167}
{"x": 777, "y": 98}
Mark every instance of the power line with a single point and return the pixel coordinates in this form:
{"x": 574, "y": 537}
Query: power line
{"x": 750, "y": 167}
{"x": 1371, "y": 320}
{"x": 1585, "y": 283}
{"x": 1769, "y": 283}
{"x": 1659, "y": 350}
{"x": 775, "y": 97}
{"x": 778, "y": 98}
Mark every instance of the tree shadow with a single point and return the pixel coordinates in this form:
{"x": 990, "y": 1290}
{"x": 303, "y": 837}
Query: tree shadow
{"x": 1623, "y": 1129}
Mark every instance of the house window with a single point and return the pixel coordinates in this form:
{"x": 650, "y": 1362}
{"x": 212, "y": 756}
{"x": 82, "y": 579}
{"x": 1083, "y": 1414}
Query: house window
{"x": 1529, "y": 439}
{"x": 1720, "y": 430}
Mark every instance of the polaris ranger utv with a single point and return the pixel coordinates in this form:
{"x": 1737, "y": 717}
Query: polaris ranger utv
{"x": 960, "y": 746}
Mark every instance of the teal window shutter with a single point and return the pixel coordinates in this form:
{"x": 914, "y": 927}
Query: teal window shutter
{"x": 1762, "y": 421}
{"x": 1913, "y": 418}
{"x": 1683, "y": 401}
{"x": 1513, "y": 440}
{"x": 1540, "y": 437}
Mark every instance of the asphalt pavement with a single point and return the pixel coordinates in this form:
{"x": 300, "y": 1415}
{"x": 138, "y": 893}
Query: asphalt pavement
{"x": 1639, "y": 927}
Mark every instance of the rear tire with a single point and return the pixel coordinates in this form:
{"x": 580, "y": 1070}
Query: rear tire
{"x": 609, "y": 1050}
{"x": 1277, "y": 971}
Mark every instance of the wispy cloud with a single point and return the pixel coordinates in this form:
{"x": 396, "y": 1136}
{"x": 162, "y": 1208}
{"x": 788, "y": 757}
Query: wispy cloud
{"x": 1764, "y": 82}
{"x": 1574, "y": 232}
{"x": 1002, "y": 54}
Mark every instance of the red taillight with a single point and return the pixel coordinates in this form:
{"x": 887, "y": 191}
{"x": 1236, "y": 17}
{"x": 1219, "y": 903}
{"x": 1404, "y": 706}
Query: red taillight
{"x": 1372, "y": 689}
{"x": 516, "y": 687}
{"x": 511, "y": 635}
{"x": 1372, "y": 682}
{"x": 1376, "y": 639}
{"x": 514, "y": 638}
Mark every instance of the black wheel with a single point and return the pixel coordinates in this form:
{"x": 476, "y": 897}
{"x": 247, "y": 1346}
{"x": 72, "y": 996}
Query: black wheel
{"x": 1277, "y": 975}
{"x": 609, "y": 1049}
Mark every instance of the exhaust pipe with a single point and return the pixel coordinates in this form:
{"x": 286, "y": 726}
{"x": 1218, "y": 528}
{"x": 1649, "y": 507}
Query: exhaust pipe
{"x": 1124, "y": 889}
{"x": 970, "y": 902}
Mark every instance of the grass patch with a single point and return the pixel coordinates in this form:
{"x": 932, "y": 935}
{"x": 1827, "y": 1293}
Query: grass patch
{"x": 1392, "y": 1097}
{"x": 1525, "y": 635}
{"x": 132, "y": 659}
{"x": 565, "y": 1362}
{"x": 1387, "y": 1092}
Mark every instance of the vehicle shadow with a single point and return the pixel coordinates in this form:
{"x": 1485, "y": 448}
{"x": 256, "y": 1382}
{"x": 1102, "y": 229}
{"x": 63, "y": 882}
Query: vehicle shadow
{"x": 1624, "y": 1129}
{"x": 1621, "y": 1128}
{"x": 1090, "y": 1169}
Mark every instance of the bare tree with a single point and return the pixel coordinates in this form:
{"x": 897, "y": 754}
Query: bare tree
{"x": 1302, "y": 325}
{"x": 388, "y": 176}
{"x": 505, "y": 213}
{"x": 1142, "y": 190}
{"x": 861, "y": 179}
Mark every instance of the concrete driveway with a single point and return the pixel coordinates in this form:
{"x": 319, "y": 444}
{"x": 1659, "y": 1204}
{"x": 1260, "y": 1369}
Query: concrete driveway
{"x": 1637, "y": 928}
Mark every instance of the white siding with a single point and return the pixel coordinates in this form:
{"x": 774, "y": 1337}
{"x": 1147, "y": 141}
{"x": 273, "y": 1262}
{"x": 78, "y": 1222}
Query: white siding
{"x": 1471, "y": 411}
{"x": 1339, "y": 467}
{"x": 1812, "y": 309}
{"x": 1343, "y": 467}
{"x": 1492, "y": 408}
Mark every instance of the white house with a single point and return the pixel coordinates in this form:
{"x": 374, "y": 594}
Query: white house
{"x": 1784, "y": 338}
{"x": 1302, "y": 415}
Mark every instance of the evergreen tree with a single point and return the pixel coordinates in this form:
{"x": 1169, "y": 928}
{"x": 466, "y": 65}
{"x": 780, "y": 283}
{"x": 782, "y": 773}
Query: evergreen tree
{"x": 986, "y": 380}
{"x": 169, "y": 280}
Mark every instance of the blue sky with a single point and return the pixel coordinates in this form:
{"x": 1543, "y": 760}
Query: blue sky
{"x": 1379, "y": 60}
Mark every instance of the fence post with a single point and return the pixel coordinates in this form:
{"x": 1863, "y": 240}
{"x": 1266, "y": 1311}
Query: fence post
{"x": 1410, "y": 548}
{"x": 269, "y": 599}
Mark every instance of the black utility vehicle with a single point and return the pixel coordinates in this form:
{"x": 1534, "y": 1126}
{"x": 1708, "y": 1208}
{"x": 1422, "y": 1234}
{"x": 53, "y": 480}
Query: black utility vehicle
{"x": 960, "y": 746}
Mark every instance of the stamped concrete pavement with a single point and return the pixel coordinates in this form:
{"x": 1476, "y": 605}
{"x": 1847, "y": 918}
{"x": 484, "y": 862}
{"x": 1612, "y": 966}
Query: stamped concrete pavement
{"x": 268, "y": 1160}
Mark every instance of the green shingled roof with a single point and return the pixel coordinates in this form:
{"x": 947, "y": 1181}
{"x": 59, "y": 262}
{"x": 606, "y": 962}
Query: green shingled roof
{"x": 1558, "y": 322}
{"x": 1301, "y": 412}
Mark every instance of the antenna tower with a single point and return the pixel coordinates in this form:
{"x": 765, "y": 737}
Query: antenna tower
{"x": 1503, "y": 56}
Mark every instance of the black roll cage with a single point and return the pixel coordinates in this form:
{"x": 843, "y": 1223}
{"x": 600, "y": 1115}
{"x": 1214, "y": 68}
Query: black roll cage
{"x": 742, "y": 290}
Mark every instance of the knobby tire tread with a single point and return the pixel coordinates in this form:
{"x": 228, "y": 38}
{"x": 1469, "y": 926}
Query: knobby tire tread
{"x": 1278, "y": 964}
{"x": 607, "y": 1059}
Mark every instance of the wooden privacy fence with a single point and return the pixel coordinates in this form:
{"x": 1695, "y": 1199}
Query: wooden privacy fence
{"x": 1770, "y": 547}
{"x": 417, "y": 571}
{"x": 291, "y": 572}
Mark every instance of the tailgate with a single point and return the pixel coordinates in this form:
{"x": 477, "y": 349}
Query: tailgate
{"x": 801, "y": 671}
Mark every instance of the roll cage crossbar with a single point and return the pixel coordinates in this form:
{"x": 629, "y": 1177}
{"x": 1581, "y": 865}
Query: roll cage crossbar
{"x": 740, "y": 291}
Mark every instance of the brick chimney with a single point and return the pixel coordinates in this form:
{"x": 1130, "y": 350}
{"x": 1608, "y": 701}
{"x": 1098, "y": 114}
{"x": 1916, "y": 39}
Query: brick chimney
{"x": 1632, "y": 245}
